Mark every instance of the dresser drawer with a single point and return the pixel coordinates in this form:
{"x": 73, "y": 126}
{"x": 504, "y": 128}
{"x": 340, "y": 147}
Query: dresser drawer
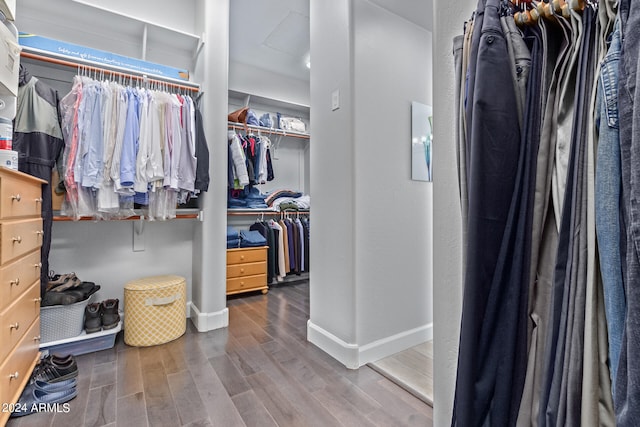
{"x": 18, "y": 317}
{"x": 244, "y": 255}
{"x": 244, "y": 284}
{"x": 17, "y": 368}
{"x": 19, "y": 237}
{"x": 249, "y": 269}
{"x": 16, "y": 277}
{"x": 19, "y": 197}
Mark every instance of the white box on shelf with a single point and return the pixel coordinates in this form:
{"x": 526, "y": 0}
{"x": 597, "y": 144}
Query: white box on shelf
{"x": 9, "y": 61}
{"x": 8, "y": 7}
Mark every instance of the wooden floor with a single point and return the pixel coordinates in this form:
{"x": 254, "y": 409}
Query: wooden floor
{"x": 260, "y": 371}
{"x": 411, "y": 369}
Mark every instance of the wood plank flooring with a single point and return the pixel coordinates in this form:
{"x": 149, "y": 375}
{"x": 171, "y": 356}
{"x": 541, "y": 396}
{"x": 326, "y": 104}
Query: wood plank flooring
{"x": 411, "y": 369}
{"x": 260, "y": 371}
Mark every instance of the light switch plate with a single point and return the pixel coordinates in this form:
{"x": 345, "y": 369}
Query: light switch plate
{"x": 335, "y": 100}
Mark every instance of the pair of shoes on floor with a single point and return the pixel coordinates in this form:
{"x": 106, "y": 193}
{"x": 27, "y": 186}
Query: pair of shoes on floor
{"x": 53, "y": 369}
{"x": 70, "y": 296}
{"x": 53, "y": 382}
{"x": 101, "y": 315}
{"x": 62, "y": 282}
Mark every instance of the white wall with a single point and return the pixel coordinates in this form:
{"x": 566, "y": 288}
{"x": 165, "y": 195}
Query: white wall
{"x": 102, "y": 252}
{"x": 332, "y": 172}
{"x": 393, "y": 225}
{"x": 78, "y": 23}
{"x": 447, "y": 238}
{"x": 371, "y": 293}
{"x": 258, "y": 81}
{"x": 163, "y": 12}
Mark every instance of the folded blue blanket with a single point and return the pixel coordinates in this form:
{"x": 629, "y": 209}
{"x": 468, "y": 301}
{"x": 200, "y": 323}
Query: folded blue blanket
{"x": 250, "y": 238}
{"x": 232, "y": 233}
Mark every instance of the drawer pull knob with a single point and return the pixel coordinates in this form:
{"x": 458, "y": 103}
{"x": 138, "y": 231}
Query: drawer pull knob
{"x": 17, "y": 239}
{"x": 15, "y": 282}
{"x": 14, "y": 376}
{"x": 37, "y": 338}
{"x": 38, "y": 265}
{"x": 40, "y": 233}
{"x": 15, "y": 326}
{"x": 17, "y": 197}
{"x": 242, "y": 270}
{"x": 37, "y": 299}
{"x": 241, "y": 256}
{"x": 39, "y": 200}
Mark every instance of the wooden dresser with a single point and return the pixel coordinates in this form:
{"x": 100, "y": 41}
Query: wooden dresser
{"x": 21, "y": 238}
{"x": 247, "y": 270}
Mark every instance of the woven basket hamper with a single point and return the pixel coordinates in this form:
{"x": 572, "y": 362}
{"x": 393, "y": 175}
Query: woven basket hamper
{"x": 154, "y": 310}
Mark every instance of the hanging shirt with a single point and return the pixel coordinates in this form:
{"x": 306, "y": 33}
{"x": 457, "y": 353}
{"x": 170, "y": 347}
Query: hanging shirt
{"x": 129, "y": 143}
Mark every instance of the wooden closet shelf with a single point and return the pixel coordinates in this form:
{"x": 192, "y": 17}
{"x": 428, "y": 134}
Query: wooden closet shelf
{"x": 180, "y": 214}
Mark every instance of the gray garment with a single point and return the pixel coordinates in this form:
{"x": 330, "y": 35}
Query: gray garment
{"x": 460, "y": 134}
{"x": 544, "y": 239}
{"x": 463, "y": 150}
{"x": 565, "y": 116}
{"x": 520, "y": 60}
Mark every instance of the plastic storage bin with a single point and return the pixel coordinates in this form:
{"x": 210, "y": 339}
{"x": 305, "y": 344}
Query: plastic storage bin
{"x": 83, "y": 343}
{"x": 58, "y": 322}
{"x": 155, "y": 310}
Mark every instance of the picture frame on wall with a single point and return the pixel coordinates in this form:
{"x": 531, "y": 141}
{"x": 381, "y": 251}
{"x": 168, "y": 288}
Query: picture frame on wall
{"x": 421, "y": 142}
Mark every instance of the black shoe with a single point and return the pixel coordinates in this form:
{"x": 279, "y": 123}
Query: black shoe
{"x": 50, "y": 371}
{"x": 110, "y": 315}
{"x": 93, "y": 317}
{"x": 60, "y": 360}
{"x": 60, "y": 298}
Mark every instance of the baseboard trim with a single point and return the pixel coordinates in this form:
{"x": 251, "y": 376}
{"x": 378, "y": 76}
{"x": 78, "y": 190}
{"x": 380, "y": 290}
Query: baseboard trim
{"x": 353, "y": 356}
{"x": 208, "y": 321}
{"x": 395, "y": 343}
{"x": 343, "y": 352}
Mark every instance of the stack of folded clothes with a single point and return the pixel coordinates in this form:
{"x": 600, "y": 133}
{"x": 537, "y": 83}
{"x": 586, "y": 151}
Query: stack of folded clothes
{"x": 233, "y": 238}
{"x": 65, "y": 289}
{"x": 53, "y": 382}
{"x": 251, "y": 239}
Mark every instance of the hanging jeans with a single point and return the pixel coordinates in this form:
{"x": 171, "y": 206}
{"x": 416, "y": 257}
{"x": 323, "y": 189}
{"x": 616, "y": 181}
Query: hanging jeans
{"x": 627, "y": 380}
{"x": 488, "y": 354}
{"x": 608, "y": 196}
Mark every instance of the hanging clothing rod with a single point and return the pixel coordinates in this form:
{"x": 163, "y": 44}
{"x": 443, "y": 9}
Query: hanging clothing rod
{"x": 260, "y": 212}
{"x": 193, "y": 87}
{"x": 268, "y": 131}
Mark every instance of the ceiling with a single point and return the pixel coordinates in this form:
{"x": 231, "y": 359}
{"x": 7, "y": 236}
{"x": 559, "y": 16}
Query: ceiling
{"x": 274, "y": 34}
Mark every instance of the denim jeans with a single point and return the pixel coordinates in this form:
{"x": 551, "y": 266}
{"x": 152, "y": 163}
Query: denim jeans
{"x": 627, "y": 388}
{"x": 608, "y": 196}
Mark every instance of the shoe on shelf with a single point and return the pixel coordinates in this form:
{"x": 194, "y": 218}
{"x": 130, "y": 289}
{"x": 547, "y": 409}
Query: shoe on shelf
{"x": 32, "y": 397}
{"x": 110, "y": 315}
{"x": 93, "y": 317}
{"x": 70, "y": 296}
{"x": 60, "y": 298}
{"x": 56, "y": 280}
{"x": 50, "y": 371}
{"x": 70, "y": 282}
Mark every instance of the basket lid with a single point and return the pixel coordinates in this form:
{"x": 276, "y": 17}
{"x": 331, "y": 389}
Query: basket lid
{"x": 154, "y": 282}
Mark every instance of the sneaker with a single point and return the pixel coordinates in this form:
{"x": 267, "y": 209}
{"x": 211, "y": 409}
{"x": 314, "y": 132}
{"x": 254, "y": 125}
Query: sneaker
{"x": 33, "y": 398}
{"x": 50, "y": 371}
{"x": 110, "y": 315}
{"x": 93, "y": 317}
